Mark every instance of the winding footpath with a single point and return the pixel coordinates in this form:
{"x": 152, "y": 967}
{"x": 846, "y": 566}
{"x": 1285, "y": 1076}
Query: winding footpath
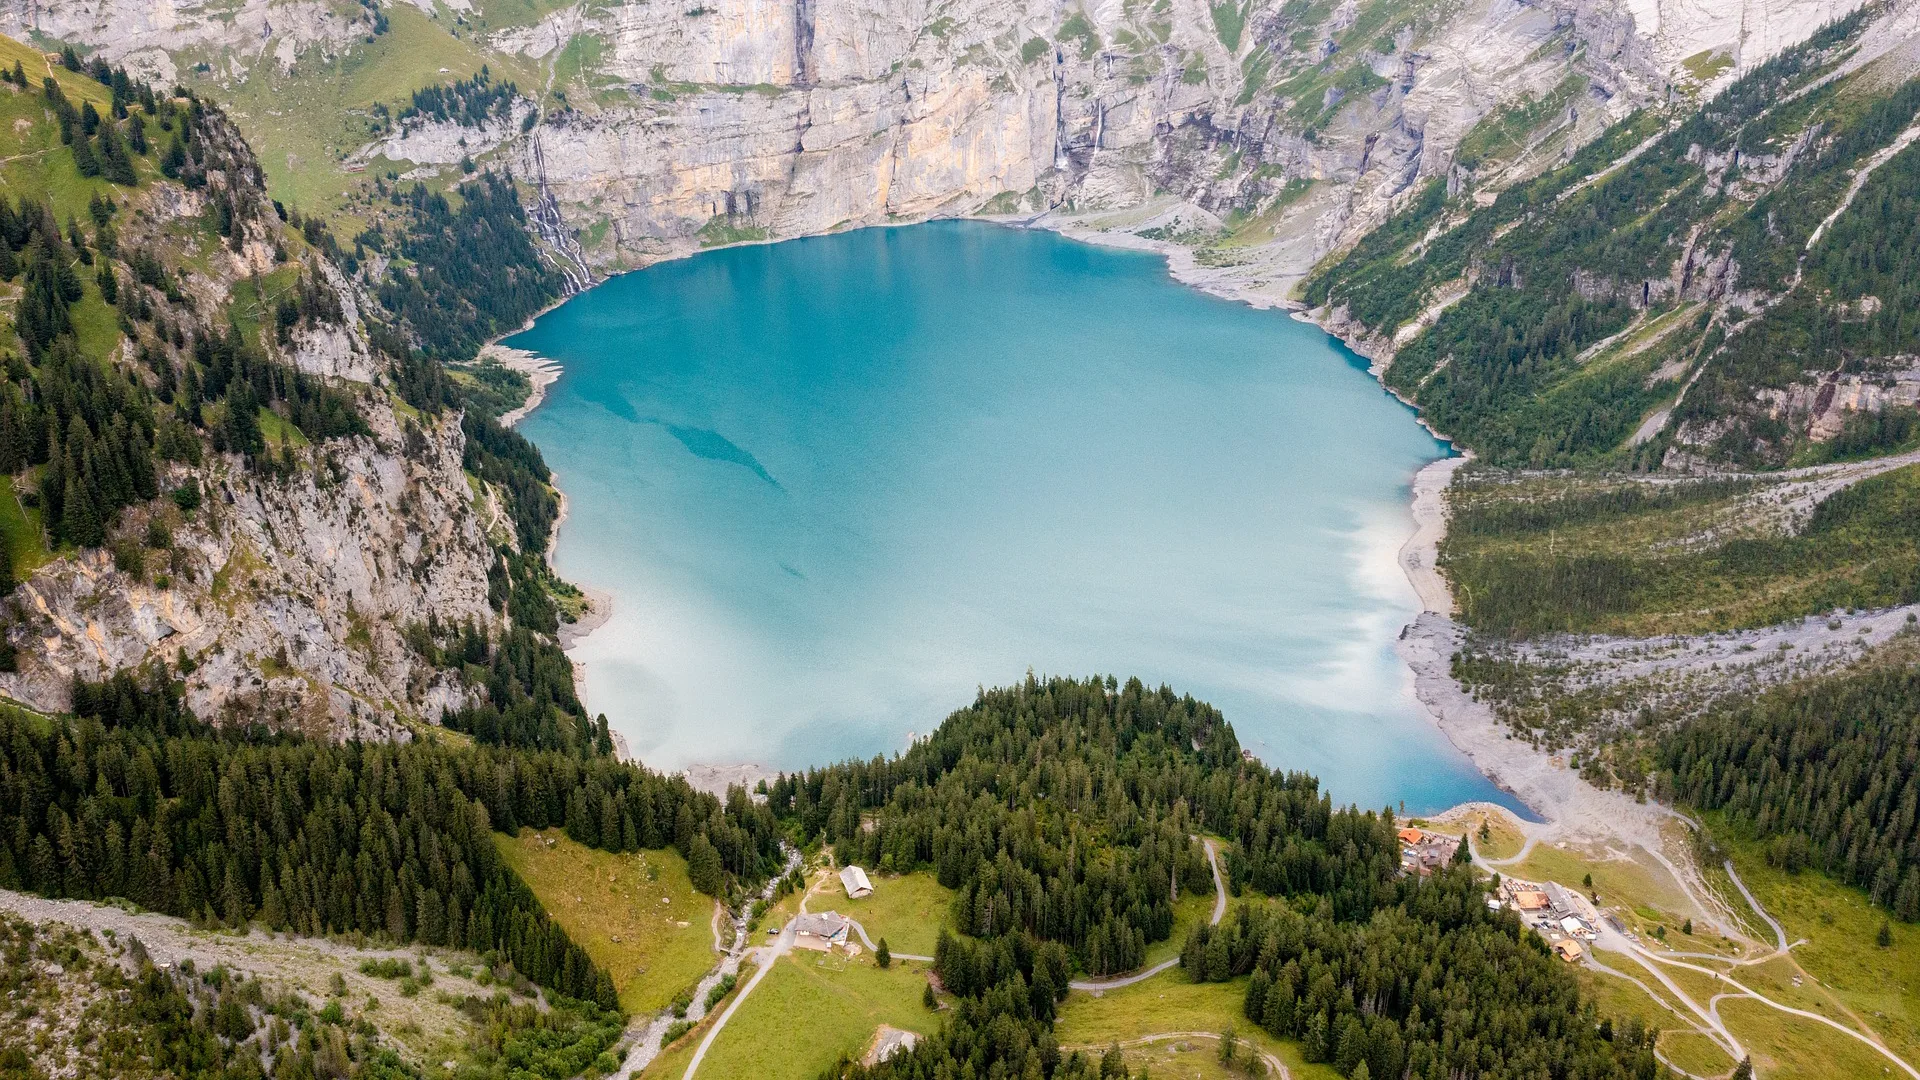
{"x": 1710, "y": 1013}
{"x": 766, "y": 957}
{"x": 1779, "y": 932}
{"x": 1219, "y": 912}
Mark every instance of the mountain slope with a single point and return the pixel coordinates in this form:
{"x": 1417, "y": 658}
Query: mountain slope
{"x": 1735, "y": 294}
{"x": 212, "y": 466}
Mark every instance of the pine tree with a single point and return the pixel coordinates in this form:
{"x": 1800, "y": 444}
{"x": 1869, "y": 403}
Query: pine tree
{"x": 79, "y": 520}
{"x": 84, "y": 158}
{"x": 703, "y": 866}
{"x": 1314, "y": 1045}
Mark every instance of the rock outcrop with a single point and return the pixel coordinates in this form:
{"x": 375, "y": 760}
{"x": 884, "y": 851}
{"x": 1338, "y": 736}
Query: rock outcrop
{"x": 288, "y": 597}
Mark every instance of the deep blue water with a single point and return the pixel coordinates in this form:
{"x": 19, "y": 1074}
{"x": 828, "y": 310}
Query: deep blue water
{"x": 836, "y": 484}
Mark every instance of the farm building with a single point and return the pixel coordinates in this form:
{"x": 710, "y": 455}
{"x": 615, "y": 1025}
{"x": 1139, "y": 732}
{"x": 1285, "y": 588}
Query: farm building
{"x": 820, "y": 932}
{"x": 855, "y": 881}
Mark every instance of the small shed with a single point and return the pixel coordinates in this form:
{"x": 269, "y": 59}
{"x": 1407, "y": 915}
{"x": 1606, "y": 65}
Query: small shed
{"x": 855, "y": 882}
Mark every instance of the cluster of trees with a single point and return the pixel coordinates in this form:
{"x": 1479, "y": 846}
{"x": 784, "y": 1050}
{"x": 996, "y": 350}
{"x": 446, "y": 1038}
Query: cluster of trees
{"x": 468, "y": 102}
{"x": 98, "y": 147}
{"x": 553, "y": 720}
{"x": 475, "y": 271}
{"x": 93, "y": 427}
{"x": 1430, "y": 986}
{"x": 1065, "y": 811}
{"x": 212, "y": 1024}
{"x": 232, "y": 369}
{"x": 1046, "y": 786}
{"x": 386, "y": 840}
{"x": 1827, "y": 772}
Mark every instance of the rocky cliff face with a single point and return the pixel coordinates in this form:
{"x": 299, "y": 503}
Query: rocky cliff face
{"x": 288, "y": 597}
{"x": 1285, "y": 129}
{"x": 859, "y": 113}
{"x": 285, "y": 587}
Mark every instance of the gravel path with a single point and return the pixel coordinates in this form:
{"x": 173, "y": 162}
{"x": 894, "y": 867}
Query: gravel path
{"x": 644, "y": 1033}
{"x": 1219, "y": 912}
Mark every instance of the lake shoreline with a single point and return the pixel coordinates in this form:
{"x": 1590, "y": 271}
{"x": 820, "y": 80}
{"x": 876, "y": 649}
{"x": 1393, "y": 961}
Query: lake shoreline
{"x": 541, "y": 372}
{"x": 1423, "y": 646}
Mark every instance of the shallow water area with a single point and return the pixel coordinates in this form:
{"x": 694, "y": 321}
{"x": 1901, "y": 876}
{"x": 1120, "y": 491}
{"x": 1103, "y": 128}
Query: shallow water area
{"x": 836, "y": 484}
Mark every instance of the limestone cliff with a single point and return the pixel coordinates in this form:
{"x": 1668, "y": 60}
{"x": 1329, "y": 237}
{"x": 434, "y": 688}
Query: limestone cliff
{"x": 1272, "y": 131}
{"x": 287, "y": 597}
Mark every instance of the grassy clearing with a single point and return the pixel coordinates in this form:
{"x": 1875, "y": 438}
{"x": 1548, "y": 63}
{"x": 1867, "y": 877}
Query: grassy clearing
{"x": 25, "y": 541}
{"x": 35, "y": 163}
{"x": 1189, "y": 911}
{"x": 278, "y": 430}
{"x": 838, "y": 1003}
{"x": 1867, "y": 985}
{"x": 908, "y": 910}
{"x": 1181, "y": 1059}
{"x": 304, "y": 122}
{"x": 1708, "y": 65}
{"x": 1696, "y": 1053}
{"x": 612, "y": 905}
{"x": 78, "y": 88}
{"x": 1787, "y": 1048}
{"x": 1503, "y": 840}
{"x": 1170, "y": 1003}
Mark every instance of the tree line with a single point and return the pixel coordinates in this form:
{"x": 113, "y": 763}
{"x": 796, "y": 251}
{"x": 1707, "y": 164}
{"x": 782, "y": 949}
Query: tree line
{"x": 1072, "y": 796}
{"x": 1826, "y": 772}
{"x": 141, "y": 801}
{"x": 1066, "y": 810}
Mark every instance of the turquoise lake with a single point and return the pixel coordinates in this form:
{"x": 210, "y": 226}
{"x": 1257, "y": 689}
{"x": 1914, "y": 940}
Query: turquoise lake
{"x": 836, "y": 484}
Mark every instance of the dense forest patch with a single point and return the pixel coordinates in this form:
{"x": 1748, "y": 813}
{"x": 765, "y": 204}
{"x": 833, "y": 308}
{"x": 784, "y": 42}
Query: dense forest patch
{"x": 1571, "y": 554}
{"x": 137, "y": 799}
{"x": 1826, "y": 773}
{"x": 1062, "y": 813}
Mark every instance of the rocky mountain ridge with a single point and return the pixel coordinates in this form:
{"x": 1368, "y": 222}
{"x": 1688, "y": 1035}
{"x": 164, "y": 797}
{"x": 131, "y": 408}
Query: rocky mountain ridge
{"x": 1274, "y": 131}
